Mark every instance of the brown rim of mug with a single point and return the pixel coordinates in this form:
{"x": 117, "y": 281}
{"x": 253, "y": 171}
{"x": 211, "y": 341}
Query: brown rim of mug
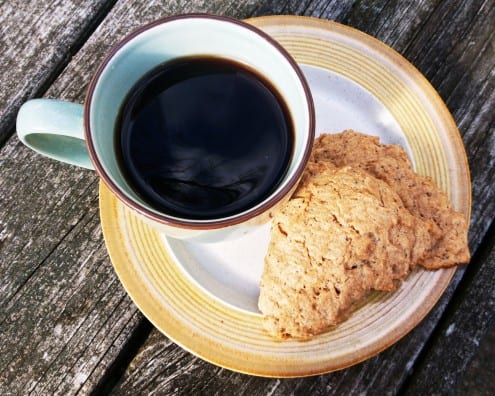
{"x": 185, "y": 223}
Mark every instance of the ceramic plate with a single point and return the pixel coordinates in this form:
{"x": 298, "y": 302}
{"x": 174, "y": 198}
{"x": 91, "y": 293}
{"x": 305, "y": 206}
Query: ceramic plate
{"x": 204, "y": 296}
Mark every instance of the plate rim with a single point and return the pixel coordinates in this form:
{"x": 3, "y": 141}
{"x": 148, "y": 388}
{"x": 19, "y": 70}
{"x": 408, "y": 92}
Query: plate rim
{"x": 128, "y": 279}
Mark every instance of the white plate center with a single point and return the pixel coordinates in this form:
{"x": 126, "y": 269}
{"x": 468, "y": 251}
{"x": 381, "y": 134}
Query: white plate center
{"x": 230, "y": 270}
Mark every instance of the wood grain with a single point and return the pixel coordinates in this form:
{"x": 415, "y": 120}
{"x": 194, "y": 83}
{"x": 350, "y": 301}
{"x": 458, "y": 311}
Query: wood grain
{"x": 65, "y": 317}
{"x": 462, "y": 328}
{"x": 63, "y": 309}
{"x": 65, "y": 321}
{"x": 37, "y": 40}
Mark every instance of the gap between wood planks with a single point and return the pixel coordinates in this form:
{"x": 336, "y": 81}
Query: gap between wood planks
{"x": 118, "y": 367}
{"x": 57, "y": 70}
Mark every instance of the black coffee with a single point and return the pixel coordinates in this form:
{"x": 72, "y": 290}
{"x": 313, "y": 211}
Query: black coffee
{"x": 204, "y": 138}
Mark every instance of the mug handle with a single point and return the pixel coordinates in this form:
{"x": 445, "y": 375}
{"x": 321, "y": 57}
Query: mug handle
{"x": 55, "y": 129}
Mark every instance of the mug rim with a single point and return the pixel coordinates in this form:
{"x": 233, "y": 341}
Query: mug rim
{"x": 194, "y": 224}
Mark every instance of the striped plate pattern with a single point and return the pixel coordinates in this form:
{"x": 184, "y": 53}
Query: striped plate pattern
{"x": 233, "y": 338}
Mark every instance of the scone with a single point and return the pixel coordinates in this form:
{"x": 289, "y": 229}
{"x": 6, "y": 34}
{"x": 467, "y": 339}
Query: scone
{"x": 419, "y": 194}
{"x": 360, "y": 220}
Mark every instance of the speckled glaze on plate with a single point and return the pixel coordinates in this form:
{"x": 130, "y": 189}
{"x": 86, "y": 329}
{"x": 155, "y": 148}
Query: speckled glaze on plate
{"x": 186, "y": 294}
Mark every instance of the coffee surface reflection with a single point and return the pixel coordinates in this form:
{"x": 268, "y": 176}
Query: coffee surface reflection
{"x": 203, "y": 138}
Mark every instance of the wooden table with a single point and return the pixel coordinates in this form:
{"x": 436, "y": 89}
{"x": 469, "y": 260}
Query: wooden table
{"x": 66, "y": 324}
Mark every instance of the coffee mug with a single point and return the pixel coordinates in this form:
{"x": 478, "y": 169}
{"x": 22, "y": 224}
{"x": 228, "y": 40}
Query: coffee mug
{"x": 86, "y": 135}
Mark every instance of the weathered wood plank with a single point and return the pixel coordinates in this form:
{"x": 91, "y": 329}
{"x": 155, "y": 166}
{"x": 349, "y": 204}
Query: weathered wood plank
{"x": 402, "y": 26}
{"x": 335, "y": 10}
{"x": 64, "y": 317}
{"x": 462, "y": 328}
{"x": 37, "y": 39}
{"x": 479, "y": 373}
{"x": 57, "y": 282}
{"x": 56, "y": 266}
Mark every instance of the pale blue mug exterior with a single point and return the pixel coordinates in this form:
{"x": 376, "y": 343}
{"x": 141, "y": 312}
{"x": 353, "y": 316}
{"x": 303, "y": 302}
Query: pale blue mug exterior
{"x": 55, "y": 129}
